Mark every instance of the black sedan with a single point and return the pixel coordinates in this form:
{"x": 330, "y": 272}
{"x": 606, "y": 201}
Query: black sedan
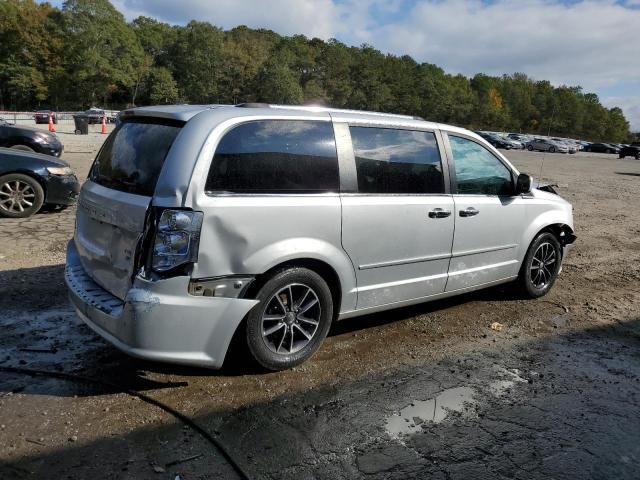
{"x": 29, "y": 181}
{"x": 602, "y": 148}
{"x": 498, "y": 141}
{"x": 29, "y": 139}
{"x": 42, "y": 116}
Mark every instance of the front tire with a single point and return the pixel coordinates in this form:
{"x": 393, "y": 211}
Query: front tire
{"x": 530, "y": 148}
{"x": 20, "y": 196}
{"x": 292, "y": 319}
{"x": 552, "y": 149}
{"x": 541, "y": 266}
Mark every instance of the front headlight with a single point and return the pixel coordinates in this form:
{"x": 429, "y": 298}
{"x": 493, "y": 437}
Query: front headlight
{"x": 43, "y": 139}
{"x": 60, "y": 170}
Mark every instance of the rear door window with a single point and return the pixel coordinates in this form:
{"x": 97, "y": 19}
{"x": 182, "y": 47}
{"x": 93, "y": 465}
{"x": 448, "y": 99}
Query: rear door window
{"x": 394, "y": 161}
{"x": 133, "y": 155}
{"x": 276, "y": 156}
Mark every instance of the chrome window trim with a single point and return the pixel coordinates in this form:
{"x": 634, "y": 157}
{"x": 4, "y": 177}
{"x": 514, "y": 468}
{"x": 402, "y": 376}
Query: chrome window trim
{"x": 484, "y": 144}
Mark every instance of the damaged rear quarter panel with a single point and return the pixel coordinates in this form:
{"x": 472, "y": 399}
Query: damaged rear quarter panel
{"x": 252, "y": 234}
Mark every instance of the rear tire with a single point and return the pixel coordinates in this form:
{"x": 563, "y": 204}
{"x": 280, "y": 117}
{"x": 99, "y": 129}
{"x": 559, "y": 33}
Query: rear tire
{"x": 292, "y": 319}
{"x": 541, "y": 266}
{"x": 20, "y": 196}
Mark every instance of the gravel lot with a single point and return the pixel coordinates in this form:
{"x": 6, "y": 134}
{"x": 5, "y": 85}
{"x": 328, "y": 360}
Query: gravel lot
{"x": 425, "y": 392}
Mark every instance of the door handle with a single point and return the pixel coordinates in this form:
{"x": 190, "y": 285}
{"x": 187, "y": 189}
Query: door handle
{"x": 439, "y": 213}
{"x": 469, "y": 212}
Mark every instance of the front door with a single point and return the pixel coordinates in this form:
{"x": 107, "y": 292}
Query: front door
{"x": 488, "y": 217}
{"x": 397, "y": 227}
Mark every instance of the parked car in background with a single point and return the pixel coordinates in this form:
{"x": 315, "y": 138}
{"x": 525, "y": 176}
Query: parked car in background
{"x": 602, "y": 148}
{"x": 42, "y": 116}
{"x": 29, "y": 181}
{"x": 198, "y": 222}
{"x": 30, "y": 139}
{"x": 571, "y": 148}
{"x": 632, "y": 150}
{"x": 499, "y": 141}
{"x": 546, "y": 145}
{"x": 519, "y": 137}
{"x": 95, "y": 116}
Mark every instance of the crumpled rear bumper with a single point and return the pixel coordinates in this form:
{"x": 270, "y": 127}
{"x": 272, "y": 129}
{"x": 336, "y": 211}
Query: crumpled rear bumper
{"x": 157, "y": 320}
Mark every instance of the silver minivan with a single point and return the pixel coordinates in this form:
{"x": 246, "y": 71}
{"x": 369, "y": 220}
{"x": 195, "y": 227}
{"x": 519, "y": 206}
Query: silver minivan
{"x": 198, "y": 223}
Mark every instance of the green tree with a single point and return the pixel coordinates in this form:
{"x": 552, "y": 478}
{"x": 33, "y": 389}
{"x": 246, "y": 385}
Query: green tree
{"x": 197, "y": 61}
{"x": 103, "y": 52}
{"x": 30, "y": 45}
{"x": 278, "y": 84}
{"x": 245, "y": 52}
{"x": 162, "y": 87}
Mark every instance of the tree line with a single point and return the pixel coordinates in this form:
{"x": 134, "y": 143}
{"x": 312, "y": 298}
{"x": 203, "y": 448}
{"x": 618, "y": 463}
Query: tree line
{"x": 87, "y": 54}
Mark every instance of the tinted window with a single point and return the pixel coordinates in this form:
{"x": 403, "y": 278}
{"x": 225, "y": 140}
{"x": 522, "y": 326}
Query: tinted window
{"x": 132, "y": 156}
{"x": 396, "y": 161}
{"x": 276, "y": 156}
{"x": 478, "y": 171}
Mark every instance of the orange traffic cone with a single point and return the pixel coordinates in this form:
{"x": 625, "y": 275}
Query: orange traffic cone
{"x": 51, "y": 127}
{"x": 104, "y": 124}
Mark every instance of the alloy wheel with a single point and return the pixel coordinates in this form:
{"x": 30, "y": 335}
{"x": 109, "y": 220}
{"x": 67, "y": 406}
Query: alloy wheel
{"x": 543, "y": 265}
{"x": 291, "y": 319}
{"x": 16, "y": 196}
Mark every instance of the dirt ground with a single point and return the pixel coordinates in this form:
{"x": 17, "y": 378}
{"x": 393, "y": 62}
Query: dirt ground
{"x": 423, "y": 392}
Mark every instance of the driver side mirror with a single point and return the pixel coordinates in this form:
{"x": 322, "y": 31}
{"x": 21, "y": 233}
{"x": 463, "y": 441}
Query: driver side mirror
{"x": 523, "y": 184}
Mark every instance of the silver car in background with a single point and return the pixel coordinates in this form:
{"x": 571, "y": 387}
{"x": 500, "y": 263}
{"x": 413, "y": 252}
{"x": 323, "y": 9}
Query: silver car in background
{"x": 198, "y": 223}
{"x": 546, "y": 145}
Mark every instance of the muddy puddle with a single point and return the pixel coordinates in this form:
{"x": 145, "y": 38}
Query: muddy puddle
{"x": 461, "y": 400}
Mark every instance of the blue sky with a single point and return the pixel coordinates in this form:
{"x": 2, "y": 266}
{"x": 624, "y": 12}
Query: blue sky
{"x": 592, "y": 43}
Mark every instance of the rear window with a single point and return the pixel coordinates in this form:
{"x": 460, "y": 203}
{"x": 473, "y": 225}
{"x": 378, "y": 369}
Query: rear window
{"x": 132, "y": 156}
{"x": 276, "y": 156}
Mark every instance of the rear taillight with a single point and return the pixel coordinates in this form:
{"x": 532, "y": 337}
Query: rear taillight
{"x": 176, "y": 240}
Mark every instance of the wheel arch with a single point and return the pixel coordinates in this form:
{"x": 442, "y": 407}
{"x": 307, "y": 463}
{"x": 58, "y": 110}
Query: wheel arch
{"x": 322, "y": 268}
{"x": 32, "y": 174}
{"x": 563, "y": 232}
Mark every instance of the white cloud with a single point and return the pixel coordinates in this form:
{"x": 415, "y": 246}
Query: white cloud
{"x": 314, "y": 18}
{"x": 590, "y": 43}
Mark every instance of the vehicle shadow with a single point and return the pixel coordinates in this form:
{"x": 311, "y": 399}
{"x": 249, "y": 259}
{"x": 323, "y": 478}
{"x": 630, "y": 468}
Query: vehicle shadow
{"x": 568, "y": 411}
{"x": 42, "y": 331}
{"x": 630, "y": 174}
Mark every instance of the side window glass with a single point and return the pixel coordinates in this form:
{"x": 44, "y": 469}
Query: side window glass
{"x": 478, "y": 171}
{"x": 397, "y": 161}
{"x": 276, "y": 156}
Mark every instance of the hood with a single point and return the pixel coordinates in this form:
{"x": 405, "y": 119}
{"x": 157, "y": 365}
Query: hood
{"x": 31, "y": 131}
{"x": 48, "y": 160}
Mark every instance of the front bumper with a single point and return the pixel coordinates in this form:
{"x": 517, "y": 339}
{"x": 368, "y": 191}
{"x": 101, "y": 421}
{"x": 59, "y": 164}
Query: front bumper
{"x": 62, "y": 189}
{"x": 157, "y": 320}
{"x": 53, "y": 149}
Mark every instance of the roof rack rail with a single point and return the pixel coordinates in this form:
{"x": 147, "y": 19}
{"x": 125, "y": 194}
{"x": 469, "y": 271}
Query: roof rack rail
{"x": 253, "y": 105}
{"x": 321, "y": 108}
